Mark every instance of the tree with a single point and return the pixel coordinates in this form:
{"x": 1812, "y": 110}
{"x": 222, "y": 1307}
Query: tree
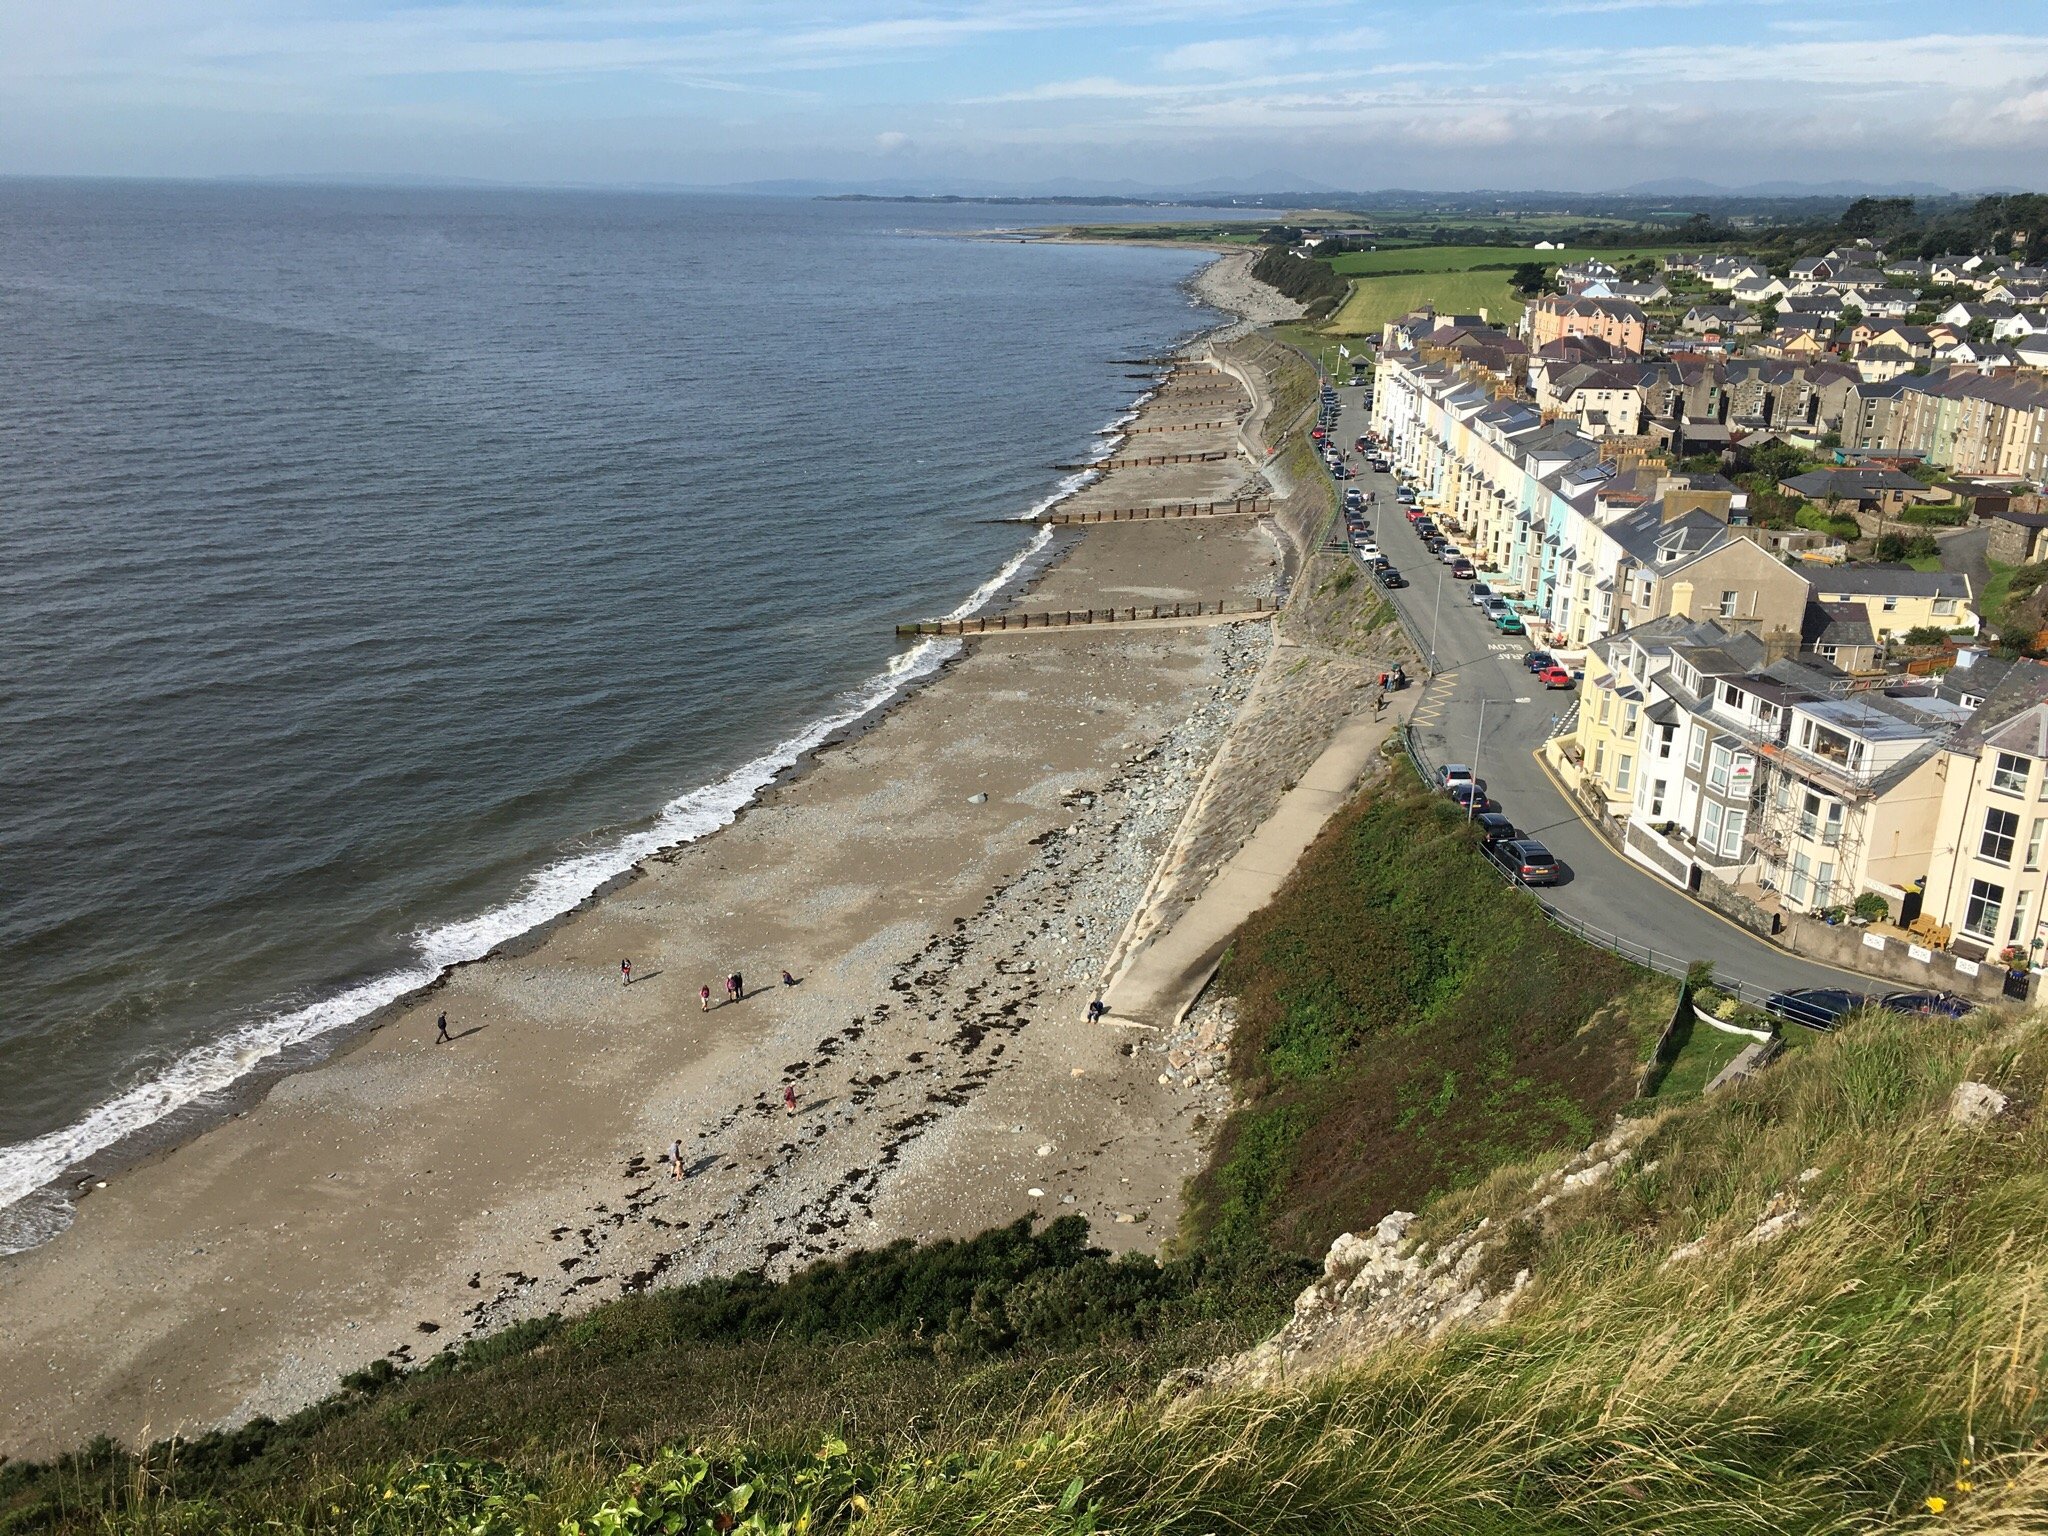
{"x": 1529, "y": 278}
{"x": 1980, "y": 331}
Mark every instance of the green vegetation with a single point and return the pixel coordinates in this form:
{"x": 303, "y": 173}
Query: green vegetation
{"x": 1302, "y": 278}
{"x": 1406, "y": 1024}
{"x": 1376, "y": 300}
{"x": 1914, "y": 548}
{"x": 1492, "y": 258}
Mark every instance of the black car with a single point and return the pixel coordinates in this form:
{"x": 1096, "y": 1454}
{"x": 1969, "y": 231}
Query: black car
{"x": 1527, "y": 860}
{"x": 1494, "y": 828}
{"x": 1927, "y": 1004}
{"x": 1538, "y": 661}
{"x": 1470, "y": 796}
{"x": 1815, "y": 1007}
{"x": 1390, "y": 578}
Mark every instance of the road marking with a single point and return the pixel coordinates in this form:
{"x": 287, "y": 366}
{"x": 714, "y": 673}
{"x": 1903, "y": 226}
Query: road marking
{"x": 1521, "y": 701}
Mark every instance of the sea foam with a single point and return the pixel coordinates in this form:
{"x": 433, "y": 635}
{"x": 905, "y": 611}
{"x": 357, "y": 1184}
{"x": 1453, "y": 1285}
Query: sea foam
{"x": 555, "y": 889}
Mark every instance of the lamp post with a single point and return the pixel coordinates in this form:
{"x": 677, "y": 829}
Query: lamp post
{"x": 1478, "y": 741}
{"x": 1435, "y": 608}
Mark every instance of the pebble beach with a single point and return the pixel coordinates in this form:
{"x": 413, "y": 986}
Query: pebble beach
{"x": 945, "y": 888}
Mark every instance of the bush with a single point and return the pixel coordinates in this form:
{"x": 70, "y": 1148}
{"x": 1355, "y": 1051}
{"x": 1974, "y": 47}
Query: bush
{"x": 1301, "y": 277}
{"x": 1897, "y": 547}
{"x": 1925, "y": 634}
{"x": 1871, "y": 907}
{"x": 1820, "y": 520}
{"x": 1936, "y": 514}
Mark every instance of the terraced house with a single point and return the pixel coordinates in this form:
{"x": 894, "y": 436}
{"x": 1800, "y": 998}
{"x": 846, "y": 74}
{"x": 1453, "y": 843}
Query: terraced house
{"x": 1731, "y": 755}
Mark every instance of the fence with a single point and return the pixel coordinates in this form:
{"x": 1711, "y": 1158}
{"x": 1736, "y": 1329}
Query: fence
{"x": 991, "y": 624}
{"x": 1253, "y": 506}
{"x": 1635, "y": 951}
{"x": 1149, "y": 460}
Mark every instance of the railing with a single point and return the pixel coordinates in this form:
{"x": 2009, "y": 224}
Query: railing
{"x": 1635, "y": 951}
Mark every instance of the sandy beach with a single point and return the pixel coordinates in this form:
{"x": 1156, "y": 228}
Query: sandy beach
{"x": 945, "y": 888}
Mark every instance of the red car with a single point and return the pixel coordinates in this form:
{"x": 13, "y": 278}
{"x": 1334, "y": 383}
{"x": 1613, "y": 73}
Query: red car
{"x": 1554, "y": 677}
{"x": 1416, "y": 514}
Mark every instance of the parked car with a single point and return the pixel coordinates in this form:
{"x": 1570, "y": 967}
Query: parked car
{"x": 1929, "y": 1004}
{"x": 1450, "y": 555}
{"x": 1415, "y": 514}
{"x": 1554, "y": 677}
{"x": 1361, "y": 445}
{"x": 1463, "y": 569}
{"x": 1482, "y": 595}
{"x": 1471, "y": 796}
{"x": 1368, "y": 550}
{"x": 1494, "y": 828}
{"x": 1526, "y": 860}
{"x": 1389, "y": 577}
{"x": 1538, "y": 661}
{"x": 1815, "y": 1007}
{"x": 1509, "y": 622}
{"x": 1453, "y": 773}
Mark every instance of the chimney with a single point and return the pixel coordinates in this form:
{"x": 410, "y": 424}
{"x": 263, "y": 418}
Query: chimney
{"x": 1780, "y": 645}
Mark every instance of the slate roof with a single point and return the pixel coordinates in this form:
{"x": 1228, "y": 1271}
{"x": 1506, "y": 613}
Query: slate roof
{"x": 1892, "y": 581}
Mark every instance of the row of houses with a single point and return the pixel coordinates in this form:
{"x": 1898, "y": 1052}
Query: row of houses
{"x": 1731, "y": 764}
{"x": 1994, "y": 425}
{"x": 1597, "y": 541}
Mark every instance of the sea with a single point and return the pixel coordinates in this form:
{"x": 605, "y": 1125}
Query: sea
{"x": 384, "y": 571}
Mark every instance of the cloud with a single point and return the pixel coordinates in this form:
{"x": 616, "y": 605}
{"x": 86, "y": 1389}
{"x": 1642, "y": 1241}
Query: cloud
{"x": 892, "y": 142}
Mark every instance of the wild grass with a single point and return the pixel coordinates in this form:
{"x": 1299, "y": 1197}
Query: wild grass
{"x": 1374, "y": 301}
{"x": 1467, "y": 258}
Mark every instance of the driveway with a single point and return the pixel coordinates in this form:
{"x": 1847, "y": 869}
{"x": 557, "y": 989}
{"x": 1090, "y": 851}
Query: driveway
{"x": 1485, "y": 709}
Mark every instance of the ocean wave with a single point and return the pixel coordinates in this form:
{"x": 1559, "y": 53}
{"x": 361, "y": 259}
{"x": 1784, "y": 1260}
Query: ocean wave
{"x": 560, "y": 887}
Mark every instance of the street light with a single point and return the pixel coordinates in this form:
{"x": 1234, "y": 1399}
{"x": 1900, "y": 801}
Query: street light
{"x": 1435, "y": 608}
{"x": 1472, "y": 801}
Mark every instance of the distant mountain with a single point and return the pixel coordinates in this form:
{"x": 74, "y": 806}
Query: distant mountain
{"x": 1692, "y": 186}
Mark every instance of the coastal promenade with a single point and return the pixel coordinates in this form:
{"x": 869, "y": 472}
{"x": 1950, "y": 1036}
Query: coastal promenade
{"x": 944, "y": 888}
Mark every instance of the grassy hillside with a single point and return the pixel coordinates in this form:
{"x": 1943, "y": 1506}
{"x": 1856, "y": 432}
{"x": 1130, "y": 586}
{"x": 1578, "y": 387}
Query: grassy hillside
{"x": 1406, "y": 1025}
{"x": 1813, "y": 1303}
{"x": 1466, "y": 258}
{"x": 1374, "y": 301}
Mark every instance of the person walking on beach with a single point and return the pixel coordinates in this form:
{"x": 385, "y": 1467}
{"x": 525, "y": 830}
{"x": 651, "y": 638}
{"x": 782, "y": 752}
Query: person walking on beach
{"x": 444, "y": 1038}
{"x": 789, "y": 1098}
{"x": 704, "y": 996}
{"x": 788, "y": 980}
{"x": 675, "y": 1158}
{"x": 626, "y": 972}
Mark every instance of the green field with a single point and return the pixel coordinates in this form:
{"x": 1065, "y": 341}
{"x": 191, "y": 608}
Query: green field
{"x": 1376, "y": 300}
{"x": 1462, "y": 258}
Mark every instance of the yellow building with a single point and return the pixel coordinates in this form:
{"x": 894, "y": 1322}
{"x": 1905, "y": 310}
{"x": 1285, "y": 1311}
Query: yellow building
{"x": 1988, "y": 877}
{"x": 1899, "y": 598}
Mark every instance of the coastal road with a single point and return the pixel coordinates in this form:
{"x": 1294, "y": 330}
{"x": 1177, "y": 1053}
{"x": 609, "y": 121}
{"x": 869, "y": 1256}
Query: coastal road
{"x": 1485, "y": 709}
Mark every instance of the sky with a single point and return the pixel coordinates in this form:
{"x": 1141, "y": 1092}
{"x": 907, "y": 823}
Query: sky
{"x": 1003, "y": 95}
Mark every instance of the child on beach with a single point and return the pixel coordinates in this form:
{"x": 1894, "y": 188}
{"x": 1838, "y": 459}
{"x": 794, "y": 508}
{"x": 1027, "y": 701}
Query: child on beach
{"x": 704, "y": 996}
{"x": 789, "y": 1098}
{"x": 788, "y": 980}
{"x": 626, "y": 972}
{"x": 675, "y": 1158}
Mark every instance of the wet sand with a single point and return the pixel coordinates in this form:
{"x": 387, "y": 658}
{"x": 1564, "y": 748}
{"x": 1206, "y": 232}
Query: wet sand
{"x": 409, "y": 1194}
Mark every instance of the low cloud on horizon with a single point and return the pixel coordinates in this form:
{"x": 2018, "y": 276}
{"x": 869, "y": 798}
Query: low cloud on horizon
{"x": 1558, "y": 94}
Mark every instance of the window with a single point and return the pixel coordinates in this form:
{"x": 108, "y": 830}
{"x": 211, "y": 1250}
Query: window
{"x": 1980, "y": 915}
{"x": 1606, "y": 699}
{"x": 1657, "y": 791}
{"x": 1710, "y": 826}
{"x": 1891, "y": 605}
{"x": 1732, "y": 697}
{"x": 2019, "y": 919}
{"x": 1824, "y": 883}
{"x": 1729, "y": 603}
{"x": 2000, "y": 828}
{"x": 1666, "y": 734}
{"x": 1802, "y": 877}
{"x": 2009, "y": 775}
{"x": 1599, "y": 757}
{"x": 1695, "y": 748}
{"x": 2034, "y": 842}
{"x": 1944, "y": 605}
{"x": 1731, "y": 832}
{"x": 1717, "y": 771}
{"x": 1628, "y": 720}
{"x": 1622, "y": 769}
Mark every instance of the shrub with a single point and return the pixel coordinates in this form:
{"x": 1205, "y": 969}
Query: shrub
{"x": 1925, "y": 634}
{"x": 1896, "y": 547}
{"x": 1871, "y": 907}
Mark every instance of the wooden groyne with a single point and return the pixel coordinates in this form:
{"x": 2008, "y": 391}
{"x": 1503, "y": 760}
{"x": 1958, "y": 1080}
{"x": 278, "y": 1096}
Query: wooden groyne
{"x": 1181, "y": 426}
{"x": 1149, "y": 460}
{"x": 1245, "y": 506}
{"x": 1002, "y": 623}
